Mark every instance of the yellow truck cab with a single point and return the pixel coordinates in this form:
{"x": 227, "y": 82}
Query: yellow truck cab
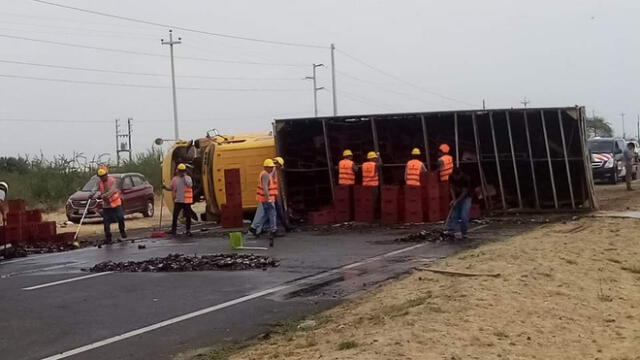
{"x": 207, "y": 159}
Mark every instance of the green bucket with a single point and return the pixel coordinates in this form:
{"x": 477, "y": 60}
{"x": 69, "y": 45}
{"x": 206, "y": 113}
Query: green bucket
{"x": 236, "y": 239}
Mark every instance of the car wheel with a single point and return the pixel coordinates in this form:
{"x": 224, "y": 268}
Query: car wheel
{"x": 614, "y": 175}
{"x": 149, "y": 209}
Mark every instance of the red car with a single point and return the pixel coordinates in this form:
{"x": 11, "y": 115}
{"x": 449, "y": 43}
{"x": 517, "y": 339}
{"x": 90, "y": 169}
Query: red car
{"x": 137, "y": 197}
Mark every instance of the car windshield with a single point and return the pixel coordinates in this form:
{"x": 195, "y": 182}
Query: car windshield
{"x": 601, "y": 146}
{"x": 92, "y": 184}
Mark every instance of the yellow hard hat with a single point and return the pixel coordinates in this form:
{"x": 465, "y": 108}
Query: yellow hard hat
{"x": 268, "y": 163}
{"x": 372, "y": 155}
{"x": 347, "y": 153}
{"x": 279, "y": 160}
{"x": 182, "y": 167}
{"x": 102, "y": 171}
{"x": 415, "y": 151}
{"x": 444, "y": 148}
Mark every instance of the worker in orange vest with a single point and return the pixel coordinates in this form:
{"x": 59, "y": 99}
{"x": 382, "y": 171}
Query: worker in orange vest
{"x": 182, "y": 188}
{"x": 347, "y": 169}
{"x": 414, "y": 169}
{"x": 112, "y": 210}
{"x": 266, "y": 195}
{"x": 370, "y": 173}
{"x": 445, "y": 162}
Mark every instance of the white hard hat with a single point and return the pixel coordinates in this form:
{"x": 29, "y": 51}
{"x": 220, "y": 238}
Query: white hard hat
{"x": 4, "y": 184}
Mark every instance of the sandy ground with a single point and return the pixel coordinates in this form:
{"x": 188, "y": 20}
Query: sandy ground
{"x": 92, "y": 228}
{"x": 565, "y": 291}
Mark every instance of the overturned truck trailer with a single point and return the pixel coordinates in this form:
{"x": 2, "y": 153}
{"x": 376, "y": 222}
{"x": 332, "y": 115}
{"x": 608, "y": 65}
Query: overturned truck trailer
{"x": 521, "y": 159}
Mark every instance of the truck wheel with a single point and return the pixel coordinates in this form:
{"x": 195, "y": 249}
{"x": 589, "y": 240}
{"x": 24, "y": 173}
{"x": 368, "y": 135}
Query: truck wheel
{"x": 149, "y": 209}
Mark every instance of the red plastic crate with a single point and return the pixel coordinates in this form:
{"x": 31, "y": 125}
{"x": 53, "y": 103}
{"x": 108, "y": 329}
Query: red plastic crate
{"x": 13, "y": 234}
{"x": 30, "y": 232}
{"x": 475, "y": 211}
{"x": 66, "y": 237}
{"x": 321, "y": 217}
{"x": 343, "y": 192}
{"x": 342, "y": 215}
{"x": 33, "y": 216}
{"x": 16, "y": 218}
{"x": 413, "y": 217}
{"x": 17, "y": 205}
{"x": 47, "y": 230}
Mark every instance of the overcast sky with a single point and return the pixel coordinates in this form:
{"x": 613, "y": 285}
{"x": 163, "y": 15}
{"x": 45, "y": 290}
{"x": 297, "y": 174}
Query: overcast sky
{"x": 456, "y": 53}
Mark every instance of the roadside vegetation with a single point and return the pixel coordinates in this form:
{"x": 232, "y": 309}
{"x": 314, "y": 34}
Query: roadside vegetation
{"x": 46, "y": 183}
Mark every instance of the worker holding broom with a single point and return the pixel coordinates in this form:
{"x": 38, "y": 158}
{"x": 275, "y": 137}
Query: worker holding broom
{"x": 182, "y": 188}
{"x": 111, "y": 203}
{"x": 460, "y": 188}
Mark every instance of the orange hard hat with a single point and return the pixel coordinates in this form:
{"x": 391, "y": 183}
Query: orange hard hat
{"x": 444, "y": 148}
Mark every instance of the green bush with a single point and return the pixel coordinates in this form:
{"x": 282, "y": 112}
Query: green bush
{"x": 48, "y": 183}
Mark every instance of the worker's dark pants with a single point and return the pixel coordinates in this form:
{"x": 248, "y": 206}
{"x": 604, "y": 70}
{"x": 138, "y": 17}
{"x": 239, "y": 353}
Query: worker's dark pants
{"x": 460, "y": 216}
{"x": 186, "y": 211}
{"x": 111, "y": 215}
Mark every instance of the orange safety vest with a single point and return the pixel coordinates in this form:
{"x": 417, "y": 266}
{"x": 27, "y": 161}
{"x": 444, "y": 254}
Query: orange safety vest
{"x": 114, "y": 200}
{"x": 346, "y": 174}
{"x": 446, "y": 167}
{"x": 188, "y": 193}
{"x": 261, "y": 195}
{"x": 414, "y": 168}
{"x": 369, "y": 174}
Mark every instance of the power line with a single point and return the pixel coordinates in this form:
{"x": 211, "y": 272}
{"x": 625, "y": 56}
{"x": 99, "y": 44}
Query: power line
{"x": 145, "y": 53}
{"x": 52, "y": 121}
{"x": 228, "y": 36}
{"x": 383, "y": 87}
{"x": 402, "y": 80}
{"x": 76, "y": 68}
{"x": 11, "y": 76}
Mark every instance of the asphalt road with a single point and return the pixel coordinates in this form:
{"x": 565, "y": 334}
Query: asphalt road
{"x": 51, "y": 309}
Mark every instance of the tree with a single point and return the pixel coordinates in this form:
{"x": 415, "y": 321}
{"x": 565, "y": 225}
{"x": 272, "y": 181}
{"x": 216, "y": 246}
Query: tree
{"x": 598, "y": 126}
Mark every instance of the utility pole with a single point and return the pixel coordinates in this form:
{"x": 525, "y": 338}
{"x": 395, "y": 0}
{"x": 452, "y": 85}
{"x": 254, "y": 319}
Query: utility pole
{"x": 129, "y": 136}
{"x": 525, "y": 102}
{"x": 123, "y": 140}
{"x": 315, "y": 88}
{"x": 483, "y": 105}
{"x": 333, "y": 80}
{"x": 624, "y": 135}
{"x": 638, "y": 124}
{"x": 171, "y": 42}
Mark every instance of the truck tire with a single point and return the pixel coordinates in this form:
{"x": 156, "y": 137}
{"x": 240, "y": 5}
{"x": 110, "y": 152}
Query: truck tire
{"x": 149, "y": 209}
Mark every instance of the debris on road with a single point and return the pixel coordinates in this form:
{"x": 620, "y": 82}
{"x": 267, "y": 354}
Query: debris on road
{"x": 180, "y": 262}
{"x": 307, "y": 324}
{"x": 426, "y": 235}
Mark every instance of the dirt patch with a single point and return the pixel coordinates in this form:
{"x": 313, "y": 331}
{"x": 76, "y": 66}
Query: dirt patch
{"x": 564, "y": 290}
{"x": 179, "y": 262}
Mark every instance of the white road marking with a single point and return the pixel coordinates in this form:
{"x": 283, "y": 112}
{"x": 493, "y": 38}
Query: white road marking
{"x": 41, "y": 269}
{"x": 67, "y": 280}
{"x": 227, "y": 304}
